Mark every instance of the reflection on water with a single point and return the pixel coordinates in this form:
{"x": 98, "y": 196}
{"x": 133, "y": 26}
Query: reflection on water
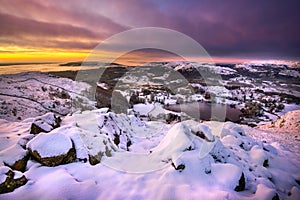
{"x": 14, "y": 69}
{"x": 203, "y": 111}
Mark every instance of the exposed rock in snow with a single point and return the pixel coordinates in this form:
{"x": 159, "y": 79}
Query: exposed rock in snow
{"x": 45, "y": 123}
{"x": 89, "y": 146}
{"x": 52, "y": 149}
{"x": 15, "y": 157}
{"x": 10, "y": 180}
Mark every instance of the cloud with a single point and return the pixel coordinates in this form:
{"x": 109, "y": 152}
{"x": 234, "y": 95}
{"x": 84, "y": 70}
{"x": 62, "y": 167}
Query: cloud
{"x": 243, "y": 28}
{"x": 223, "y": 28}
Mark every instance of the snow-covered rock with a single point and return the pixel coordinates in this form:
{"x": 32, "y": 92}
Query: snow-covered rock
{"x": 45, "y": 123}
{"x": 15, "y": 157}
{"x": 89, "y": 146}
{"x": 10, "y": 180}
{"x": 52, "y": 149}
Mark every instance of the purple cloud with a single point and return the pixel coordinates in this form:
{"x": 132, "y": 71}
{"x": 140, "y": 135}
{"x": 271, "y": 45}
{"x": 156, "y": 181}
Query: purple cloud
{"x": 231, "y": 28}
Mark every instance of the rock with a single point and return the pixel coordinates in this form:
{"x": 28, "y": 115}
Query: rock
{"x": 45, "y": 123}
{"x": 15, "y": 157}
{"x": 95, "y": 159}
{"x": 241, "y": 185}
{"x": 180, "y": 167}
{"x": 170, "y": 117}
{"x": 24, "y": 140}
{"x": 10, "y": 180}
{"x": 116, "y": 127}
{"x": 52, "y": 149}
{"x": 203, "y": 132}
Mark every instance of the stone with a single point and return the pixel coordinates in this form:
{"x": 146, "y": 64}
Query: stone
{"x": 52, "y": 149}
{"x": 9, "y": 181}
{"x": 15, "y": 157}
{"x": 45, "y": 123}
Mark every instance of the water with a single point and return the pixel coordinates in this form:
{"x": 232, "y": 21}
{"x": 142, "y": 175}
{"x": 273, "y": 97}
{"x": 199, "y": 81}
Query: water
{"x": 207, "y": 111}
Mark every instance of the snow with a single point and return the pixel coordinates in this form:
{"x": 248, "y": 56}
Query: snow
{"x": 292, "y": 73}
{"x": 149, "y": 159}
{"x": 227, "y": 174}
{"x": 257, "y": 155}
{"x": 50, "y": 144}
{"x": 48, "y": 118}
{"x": 33, "y": 94}
{"x": 3, "y": 171}
{"x": 288, "y": 122}
{"x": 158, "y": 111}
{"x": 264, "y": 193}
{"x": 295, "y": 193}
{"x": 12, "y": 154}
{"x": 152, "y": 166}
{"x": 143, "y": 109}
{"x": 188, "y": 66}
{"x": 18, "y": 174}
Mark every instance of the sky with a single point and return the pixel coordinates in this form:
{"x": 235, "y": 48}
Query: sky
{"x": 56, "y": 30}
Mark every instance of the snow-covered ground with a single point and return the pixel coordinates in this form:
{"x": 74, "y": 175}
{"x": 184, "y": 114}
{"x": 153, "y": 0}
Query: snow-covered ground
{"x": 91, "y": 153}
{"x": 186, "y": 160}
{"x": 32, "y": 94}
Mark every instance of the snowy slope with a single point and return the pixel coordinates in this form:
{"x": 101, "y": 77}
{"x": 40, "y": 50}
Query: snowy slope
{"x": 187, "y": 160}
{"x": 32, "y": 94}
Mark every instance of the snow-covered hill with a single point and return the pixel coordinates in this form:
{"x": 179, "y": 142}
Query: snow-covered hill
{"x": 32, "y": 94}
{"x": 290, "y": 122}
{"x": 103, "y": 155}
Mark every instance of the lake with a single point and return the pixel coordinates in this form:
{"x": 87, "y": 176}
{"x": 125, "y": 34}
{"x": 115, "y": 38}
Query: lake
{"x": 207, "y": 111}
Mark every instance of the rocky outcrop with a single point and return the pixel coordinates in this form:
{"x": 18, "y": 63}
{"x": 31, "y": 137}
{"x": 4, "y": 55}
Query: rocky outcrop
{"x": 9, "y": 180}
{"x": 45, "y": 123}
{"x": 52, "y": 149}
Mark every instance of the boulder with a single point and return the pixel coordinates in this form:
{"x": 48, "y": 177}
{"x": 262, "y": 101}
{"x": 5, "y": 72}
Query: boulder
{"x": 52, "y": 149}
{"x": 10, "y": 180}
{"x": 45, "y": 123}
{"x": 15, "y": 157}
